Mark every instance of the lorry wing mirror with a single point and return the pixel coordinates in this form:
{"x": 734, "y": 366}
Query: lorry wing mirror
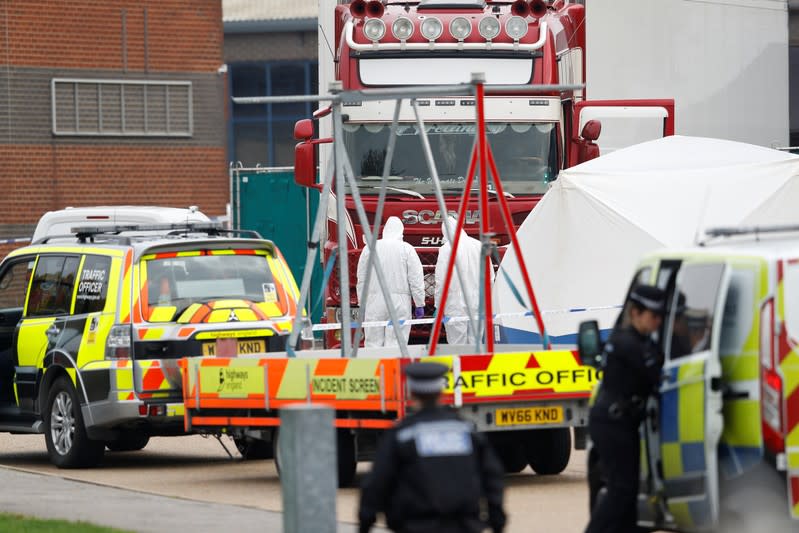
{"x": 305, "y": 165}
{"x": 589, "y": 343}
{"x": 591, "y": 130}
{"x": 303, "y": 129}
{"x": 586, "y": 148}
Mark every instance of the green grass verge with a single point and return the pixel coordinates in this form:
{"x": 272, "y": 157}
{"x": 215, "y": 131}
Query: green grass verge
{"x": 12, "y": 523}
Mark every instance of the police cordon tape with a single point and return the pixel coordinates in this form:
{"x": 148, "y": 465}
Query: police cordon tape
{"x": 15, "y": 240}
{"x": 447, "y": 319}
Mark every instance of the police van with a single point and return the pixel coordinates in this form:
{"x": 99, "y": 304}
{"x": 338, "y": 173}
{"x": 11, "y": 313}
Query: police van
{"x": 728, "y": 404}
{"x": 92, "y": 328}
{"x": 56, "y": 224}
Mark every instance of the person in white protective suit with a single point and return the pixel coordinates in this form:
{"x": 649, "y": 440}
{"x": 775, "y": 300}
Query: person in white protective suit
{"x": 467, "y": 260}
{"x": 405, "y": 284}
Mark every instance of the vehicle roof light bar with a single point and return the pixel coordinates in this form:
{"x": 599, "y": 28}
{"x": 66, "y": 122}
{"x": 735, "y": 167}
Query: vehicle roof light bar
{"x": 120, "y": 228}
{"x": 349, "y": 32}
{"x": 750, "y": 230}
{"x": 212, "y": 229}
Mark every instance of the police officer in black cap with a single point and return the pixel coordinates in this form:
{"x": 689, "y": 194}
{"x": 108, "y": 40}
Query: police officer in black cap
{"x": 631, "y": 371}
{"x": 433, "y": 471}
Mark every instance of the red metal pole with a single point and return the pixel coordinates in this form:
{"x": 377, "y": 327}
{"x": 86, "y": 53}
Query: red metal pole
{"x": 434, "y": 335}
{"x": 482, "y": 147}
{"x": 506, "y": 216}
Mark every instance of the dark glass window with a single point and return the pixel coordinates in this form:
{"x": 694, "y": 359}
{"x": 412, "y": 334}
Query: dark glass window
{"x": 14, "y": 283}
{"x": 288, "y": 79}
{"x": 252, "y": 142}
{"x": 692, "y": 322}
{"x": 283, "y": 132}
{"x": 262, "y": 134}
{"x": 248, "y": 80}
{"x": 53, "y": 286}
{"x": 93, "y": 285}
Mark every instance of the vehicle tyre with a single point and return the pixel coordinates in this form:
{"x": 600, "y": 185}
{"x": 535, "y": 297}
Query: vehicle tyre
{"x": 253, "y": 449}
{"x": 512, "y": 456}
{"x": 64, "y": 432}
{"x": 510, "y": 450}
{"x": 346, "y": 456}
{"x": 128, "y": 441}
{"x": 548, "y": 450}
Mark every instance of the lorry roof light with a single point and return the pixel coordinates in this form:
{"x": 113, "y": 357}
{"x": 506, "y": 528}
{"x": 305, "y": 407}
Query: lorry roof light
{"x": 488, "y": 27}
{"x": 402, "y": 28}
{"x": 374, "y": 29}
{"x": 460, "y": 28}
{"x": 516, "y": 28}
{"x": 432, "y": 28}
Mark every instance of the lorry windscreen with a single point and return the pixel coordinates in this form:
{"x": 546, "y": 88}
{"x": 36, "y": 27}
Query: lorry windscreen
{"x": 525, "y": 153}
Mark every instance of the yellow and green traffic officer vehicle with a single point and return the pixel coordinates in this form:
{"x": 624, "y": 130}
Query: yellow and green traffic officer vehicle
{"x": 720, "y": 442}
{"x": 92, "y": 328}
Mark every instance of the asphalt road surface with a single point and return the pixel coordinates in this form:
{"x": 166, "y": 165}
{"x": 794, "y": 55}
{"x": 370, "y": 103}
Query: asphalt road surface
{"x": 210, "y": 491}
{"x": 197, "y": 468}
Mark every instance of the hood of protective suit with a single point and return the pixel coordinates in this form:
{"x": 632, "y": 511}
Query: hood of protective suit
{"x": 394, "y": 229}
{"x": 453, "y": 223}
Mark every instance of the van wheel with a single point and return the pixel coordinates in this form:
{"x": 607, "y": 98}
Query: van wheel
{"x": 509, "y": 449}
{"x": 548, "y": 450}
{"x": 251, "y": 449}
{"x": 64, "y": 432}
{"x": 128, "y": 441}
{"x": 513, "y": 459}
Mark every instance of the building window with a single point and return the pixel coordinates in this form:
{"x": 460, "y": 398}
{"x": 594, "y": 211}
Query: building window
{"x": 121, "y": 108}
{"x": 262, "y": 134}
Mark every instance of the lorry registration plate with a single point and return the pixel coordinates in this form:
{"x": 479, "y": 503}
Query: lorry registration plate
{"x": 529, "y": 416}
{"x": 231, "y": 347}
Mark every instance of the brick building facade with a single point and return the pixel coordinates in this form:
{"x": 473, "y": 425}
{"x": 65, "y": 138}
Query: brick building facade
{"x": 110, "y": 102}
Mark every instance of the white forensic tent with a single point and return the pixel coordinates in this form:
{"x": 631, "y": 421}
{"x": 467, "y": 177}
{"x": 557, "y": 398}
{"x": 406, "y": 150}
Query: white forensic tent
{"x": 581, "y": 243}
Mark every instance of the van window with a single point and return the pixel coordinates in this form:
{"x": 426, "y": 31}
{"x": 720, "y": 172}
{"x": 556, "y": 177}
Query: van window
{"x": 53, "y": 285}
{"x": 178, "y": 282}
{"x": 93, "y": 284}
{"x": 641, "y": 277}
{"x": 791, "y": 299}
{"x": 692, "y": 323}
{"x": 14, "y": 283}
{"x": 738, "y": 316}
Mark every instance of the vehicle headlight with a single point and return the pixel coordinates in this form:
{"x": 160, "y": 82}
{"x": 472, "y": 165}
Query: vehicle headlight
{"x": 402, "y": 28}
{"x": 374, "y": 29}
{"x": 516, "y": 28}
{"x": 488, "y": 27}
{"x": 431, "y": 28}
{"x": 460, "y": 28}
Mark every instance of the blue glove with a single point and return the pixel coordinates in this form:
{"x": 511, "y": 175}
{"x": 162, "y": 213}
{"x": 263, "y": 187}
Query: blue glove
{"x": 418, "y": 312}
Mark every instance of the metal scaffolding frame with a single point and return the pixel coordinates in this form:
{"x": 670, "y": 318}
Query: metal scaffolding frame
{"x": 482, "y": 158}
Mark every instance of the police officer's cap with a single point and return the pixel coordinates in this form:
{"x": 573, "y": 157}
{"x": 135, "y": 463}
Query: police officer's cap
{"x": 426, "y": 378}
{"x": 649, "y": 297}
